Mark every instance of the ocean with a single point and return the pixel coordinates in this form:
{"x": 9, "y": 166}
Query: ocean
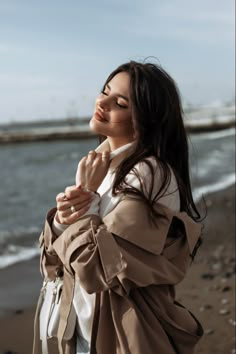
{"x": 32, "y": 174}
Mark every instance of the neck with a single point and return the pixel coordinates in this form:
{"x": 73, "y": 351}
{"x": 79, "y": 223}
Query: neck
{"x": 116, "y": 143}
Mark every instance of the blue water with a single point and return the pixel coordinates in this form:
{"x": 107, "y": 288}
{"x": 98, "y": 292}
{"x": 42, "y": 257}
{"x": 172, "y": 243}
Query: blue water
{"x": 32, "y": 174}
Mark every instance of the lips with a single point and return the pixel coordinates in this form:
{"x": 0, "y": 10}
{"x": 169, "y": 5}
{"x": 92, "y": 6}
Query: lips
{"x": 99, "y": 116}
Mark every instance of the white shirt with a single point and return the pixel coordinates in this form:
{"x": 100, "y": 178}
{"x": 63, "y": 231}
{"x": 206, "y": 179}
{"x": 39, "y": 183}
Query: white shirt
{"x": 83, "y": 302}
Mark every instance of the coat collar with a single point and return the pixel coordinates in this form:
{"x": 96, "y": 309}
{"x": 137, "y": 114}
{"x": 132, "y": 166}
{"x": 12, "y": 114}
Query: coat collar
{"x": 130, "y": 221}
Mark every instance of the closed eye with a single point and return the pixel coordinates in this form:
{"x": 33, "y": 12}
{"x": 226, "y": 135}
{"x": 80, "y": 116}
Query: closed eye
{"x": 117, "y": 102}
{"x": 121, "y": 105}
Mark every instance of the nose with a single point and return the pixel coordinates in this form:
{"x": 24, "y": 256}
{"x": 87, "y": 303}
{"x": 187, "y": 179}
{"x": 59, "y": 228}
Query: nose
{"x": 103, "y": 103}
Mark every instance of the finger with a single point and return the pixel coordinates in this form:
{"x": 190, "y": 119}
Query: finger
{"x": 82, "y": 162}
{"x": 70, "y": 188}
{"x": 88, "y": 197}
{"x": 77, "y": 193}
{"x": 84, "y": 203}
{"x": 74, "y": 217}
{"x": 98, "y": 159}
{"x": 83, "y": 210}
{"x": 92, "y": 155}
{"x": 106, "y": 155}
{"x": 74, "y": 191}
{"x": 106, "y": 160}
{"x": 61, "y": 197}
{"x": 64, "y": 213}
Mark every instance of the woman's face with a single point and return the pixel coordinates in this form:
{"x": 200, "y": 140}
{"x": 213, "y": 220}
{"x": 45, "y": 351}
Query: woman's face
{"x": 112, "y": 114}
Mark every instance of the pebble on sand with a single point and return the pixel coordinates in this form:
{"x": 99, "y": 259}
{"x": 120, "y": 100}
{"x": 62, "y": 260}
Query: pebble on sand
{"x": 224, "y": 312}
{"x": 232, "y": 322}
{"x": 224, "y": 301}
{"x": 209, "y": 331}
{"x": 205, "y": 307}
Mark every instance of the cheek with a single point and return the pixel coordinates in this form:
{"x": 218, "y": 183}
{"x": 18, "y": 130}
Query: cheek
{"x": 123, "y": 126}
{"x": 121, "y": 118}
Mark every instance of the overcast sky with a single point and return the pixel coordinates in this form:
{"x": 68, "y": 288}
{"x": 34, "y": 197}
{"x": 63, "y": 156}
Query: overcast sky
{"x": 56, "y": 54}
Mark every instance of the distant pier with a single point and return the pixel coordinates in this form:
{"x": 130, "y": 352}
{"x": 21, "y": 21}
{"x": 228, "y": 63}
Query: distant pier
{"x": 32, "y": 136}
{"x": 51, "y": 130}
{"x": 208, "y": 125}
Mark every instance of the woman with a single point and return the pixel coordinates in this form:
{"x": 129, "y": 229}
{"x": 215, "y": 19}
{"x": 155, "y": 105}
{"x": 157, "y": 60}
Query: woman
{"x": 126, "y": 233}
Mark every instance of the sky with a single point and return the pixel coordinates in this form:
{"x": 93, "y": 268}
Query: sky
{"x": 55, "y": 55}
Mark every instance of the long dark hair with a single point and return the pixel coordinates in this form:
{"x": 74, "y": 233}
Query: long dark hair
{"x": 159, "y": 127}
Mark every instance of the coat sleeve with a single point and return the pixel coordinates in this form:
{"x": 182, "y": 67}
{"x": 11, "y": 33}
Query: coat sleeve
{"x": 121, "y": 251}
{"x": 50, "y": 263}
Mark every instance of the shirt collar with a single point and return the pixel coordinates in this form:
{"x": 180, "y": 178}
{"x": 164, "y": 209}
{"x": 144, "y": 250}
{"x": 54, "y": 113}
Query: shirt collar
{"x": 117, "y": 155}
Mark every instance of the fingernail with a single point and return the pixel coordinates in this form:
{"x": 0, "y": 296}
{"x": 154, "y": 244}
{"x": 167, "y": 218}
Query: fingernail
{"x": 63, "y": 196}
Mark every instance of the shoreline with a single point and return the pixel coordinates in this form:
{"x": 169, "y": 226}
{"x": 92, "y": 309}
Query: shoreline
{"x": 198, "y": 199}
{"x": 207, "y": 289}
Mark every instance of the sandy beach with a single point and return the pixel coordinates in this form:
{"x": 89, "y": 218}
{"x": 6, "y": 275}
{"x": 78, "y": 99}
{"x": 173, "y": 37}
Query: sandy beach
{"x": 208, "y": 289}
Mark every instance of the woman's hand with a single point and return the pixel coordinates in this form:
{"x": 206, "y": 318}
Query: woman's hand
{"x": 92, "y": 169}
{"x": 72, "y": 204}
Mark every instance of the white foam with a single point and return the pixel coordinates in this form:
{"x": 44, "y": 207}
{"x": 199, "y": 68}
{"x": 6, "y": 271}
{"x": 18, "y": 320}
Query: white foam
{"x": 224, "y": 183}
{"x": 19, "y": 254}
{"x": 15, "y": 253}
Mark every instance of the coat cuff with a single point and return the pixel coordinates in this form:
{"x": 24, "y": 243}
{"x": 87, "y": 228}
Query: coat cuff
{"x": 112, "y": 262}
{"x": 90, "y": 230}
{"x": 94, "y": 207}
{"x": 58, "y": 228}
{"x": 49, "y": 261}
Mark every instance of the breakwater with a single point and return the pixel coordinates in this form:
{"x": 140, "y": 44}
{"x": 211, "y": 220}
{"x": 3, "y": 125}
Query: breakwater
{"x": 73, "y": 130}
{"x": 57, "y": 134}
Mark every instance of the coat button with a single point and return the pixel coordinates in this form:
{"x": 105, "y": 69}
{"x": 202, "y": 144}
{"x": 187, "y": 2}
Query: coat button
{"x": 59, "y": 272}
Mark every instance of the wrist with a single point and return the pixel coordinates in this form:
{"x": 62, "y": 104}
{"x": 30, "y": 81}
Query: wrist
{"x": 91, "y": 189}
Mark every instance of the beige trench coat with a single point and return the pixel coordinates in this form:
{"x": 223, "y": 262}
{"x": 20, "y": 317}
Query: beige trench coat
{"x": 133, "y": 267}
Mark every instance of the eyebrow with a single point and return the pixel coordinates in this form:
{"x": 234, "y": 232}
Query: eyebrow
{"x": 122, "y": 96}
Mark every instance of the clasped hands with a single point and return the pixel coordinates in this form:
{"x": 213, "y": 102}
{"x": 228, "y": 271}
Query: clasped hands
{"x": 76, "y": 199}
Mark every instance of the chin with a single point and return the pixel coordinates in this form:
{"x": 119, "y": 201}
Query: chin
{"x": 95, "y": 127}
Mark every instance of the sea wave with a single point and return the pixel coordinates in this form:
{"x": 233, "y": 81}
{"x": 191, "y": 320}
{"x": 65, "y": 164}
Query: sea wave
{"x": 222, "y": 184}
{"x": 212, "y": 167}
{"x": 14, "y": 253}
{"x": 21, "y": 236}
{"x": 18, "y": 254}
{"x": 18, "y": 246}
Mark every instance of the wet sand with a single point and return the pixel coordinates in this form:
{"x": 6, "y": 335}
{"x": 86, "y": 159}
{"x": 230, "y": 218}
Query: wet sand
{"x": 208, "y": 289}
